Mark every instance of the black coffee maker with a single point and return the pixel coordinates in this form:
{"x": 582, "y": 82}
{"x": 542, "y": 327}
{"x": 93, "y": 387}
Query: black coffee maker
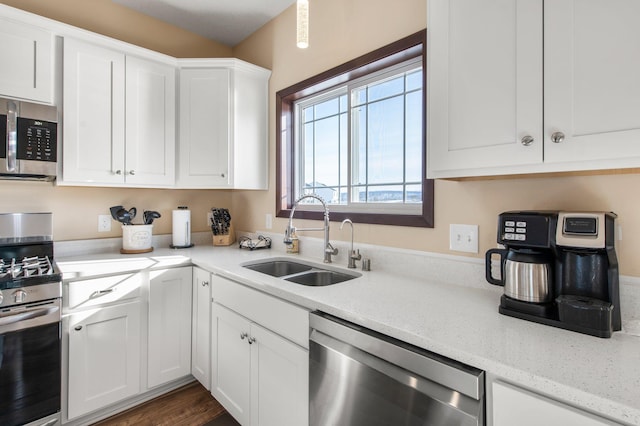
{"x": 584, "y": 295}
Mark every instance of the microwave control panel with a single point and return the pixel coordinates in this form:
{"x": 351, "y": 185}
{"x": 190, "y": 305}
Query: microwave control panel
{"x": 37, "y": 140}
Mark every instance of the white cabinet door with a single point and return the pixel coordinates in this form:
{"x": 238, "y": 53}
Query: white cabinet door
{"x": 93, "y": 131}
{"x": 485, "y": 84}
{"x": 231, "y": 363}
{"x": 591, "y": 91}
{"x": 250, "y": 156}
{"x": 169, "y": 353}
{"x": 279, "y": 380}
{"x": 203, "y": 154}
{"x": 515, "y": 406}
{"x": 27, "y": 62}
{"x": 104, "y": 357}
{"x": 201, "y": 327}
{"x": 150, "y": 123}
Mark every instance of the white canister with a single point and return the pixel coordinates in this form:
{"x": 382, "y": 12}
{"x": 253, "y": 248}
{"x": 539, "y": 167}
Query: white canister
{"x": 181, "y": 227}
{"x": 136, "y": 237}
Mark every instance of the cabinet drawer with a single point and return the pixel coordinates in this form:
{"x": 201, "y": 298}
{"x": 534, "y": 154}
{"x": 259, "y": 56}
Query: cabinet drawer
{"x": 283, "y": 318}
{"x": 98, "y": 291}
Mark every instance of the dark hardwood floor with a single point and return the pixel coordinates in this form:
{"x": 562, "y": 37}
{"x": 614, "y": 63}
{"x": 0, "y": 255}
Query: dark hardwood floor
{"x": 191, "y": 405}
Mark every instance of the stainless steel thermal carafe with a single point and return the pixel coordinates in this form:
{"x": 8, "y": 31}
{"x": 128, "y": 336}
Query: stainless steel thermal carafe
{"x": 526, "y": 276}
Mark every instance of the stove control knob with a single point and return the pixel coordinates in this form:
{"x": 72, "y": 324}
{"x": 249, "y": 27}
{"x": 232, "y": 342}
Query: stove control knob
{"x": 20, "y": 296}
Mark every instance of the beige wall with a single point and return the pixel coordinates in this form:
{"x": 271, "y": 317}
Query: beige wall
{"x": 341, "y": 30}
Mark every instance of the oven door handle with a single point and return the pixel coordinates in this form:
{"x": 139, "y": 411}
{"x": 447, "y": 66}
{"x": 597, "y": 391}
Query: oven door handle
{"x": 14, "y": 317}
{"x": 12, "y": 137}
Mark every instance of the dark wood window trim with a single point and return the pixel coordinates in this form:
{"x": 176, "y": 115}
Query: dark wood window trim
{"x": 392, "y": 54}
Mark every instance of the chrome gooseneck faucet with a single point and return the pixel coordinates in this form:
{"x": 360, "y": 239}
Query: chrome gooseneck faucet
{"x": 353, "y": 254}
{"x": 328, "y": 248}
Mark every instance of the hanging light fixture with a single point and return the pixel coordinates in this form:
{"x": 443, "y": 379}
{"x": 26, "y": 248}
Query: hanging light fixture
{"x": 302, "y": 26}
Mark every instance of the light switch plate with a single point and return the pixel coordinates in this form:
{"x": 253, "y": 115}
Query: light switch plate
{"x": 463, "y": 238}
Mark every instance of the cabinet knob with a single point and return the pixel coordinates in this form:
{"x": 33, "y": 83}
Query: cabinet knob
{"x": 557, "y": 137}
{"x": 118, "y": 172}
{"x": 527, "y": 140}
{"x": 243, "y": 335}
{"x": 252, "y": 340}
{"x": 132, "y": 172}
{"x": 205, "y": 283}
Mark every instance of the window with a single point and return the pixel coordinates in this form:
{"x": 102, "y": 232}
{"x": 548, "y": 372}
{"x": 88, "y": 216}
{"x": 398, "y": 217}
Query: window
{"x": 355, "y": 136}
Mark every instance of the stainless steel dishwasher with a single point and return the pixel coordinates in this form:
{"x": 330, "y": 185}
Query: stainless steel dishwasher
{"x": 360, "y": 377}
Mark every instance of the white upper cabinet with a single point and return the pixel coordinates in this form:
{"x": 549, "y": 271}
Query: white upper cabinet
{"x": 485, "y": 84}
{"x": 489, "y": 60}
{"x": 150, "y": 123}
{"x": 592, "y": 94}
{"x": 119, "y": 118}
{"x": 204, "y": 128}
{"x": 223, "y": 125}
{"x": 27, "y": 62}
{"x": 93, "y": 131}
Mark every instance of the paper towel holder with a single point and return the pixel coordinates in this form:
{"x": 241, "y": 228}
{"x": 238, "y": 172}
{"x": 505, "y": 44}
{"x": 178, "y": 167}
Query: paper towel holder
{"x": 187, "y": 230}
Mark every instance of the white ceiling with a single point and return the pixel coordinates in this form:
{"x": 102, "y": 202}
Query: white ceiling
{"x": 225, "y": 21}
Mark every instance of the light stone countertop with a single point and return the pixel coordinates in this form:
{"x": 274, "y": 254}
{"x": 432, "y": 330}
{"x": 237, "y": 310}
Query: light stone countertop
{"x": 434, "y": 312}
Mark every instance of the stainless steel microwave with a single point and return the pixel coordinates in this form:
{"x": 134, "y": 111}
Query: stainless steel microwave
{"x": 28, "y": 140}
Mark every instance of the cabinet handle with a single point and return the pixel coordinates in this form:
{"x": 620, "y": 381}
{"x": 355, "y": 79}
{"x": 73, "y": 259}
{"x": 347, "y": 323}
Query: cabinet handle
{"x": 222, "y": 175}
{"x": 78, "y": 328}
{"x": 252, "y": 340}
{"x": 205, "y": 283}
{"x": 118, "y": 172}
{"x": 101, "y": 292}
{"x": 132, "y": 172}
{"x": 557, "y": 137}
{"x": 243, "y": 335}
{"x": 527, "y": 140}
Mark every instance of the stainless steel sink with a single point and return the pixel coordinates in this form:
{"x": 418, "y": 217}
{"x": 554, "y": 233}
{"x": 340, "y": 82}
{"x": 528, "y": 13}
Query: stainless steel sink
{"x": 320, "y": 278}
{"x": 279, "y": 268}
{"x": 301, "y": 273}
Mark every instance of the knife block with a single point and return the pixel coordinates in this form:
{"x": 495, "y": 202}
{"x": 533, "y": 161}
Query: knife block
{"x": 225, "y": 240}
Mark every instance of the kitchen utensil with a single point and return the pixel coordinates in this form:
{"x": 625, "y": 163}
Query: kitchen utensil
{"x": 150, "y": 216}
{"x": 132, "y": 212}
{"x": 220, "y": 221}
{"x": 123, "y": 216}
{"x": 114, "y": 212}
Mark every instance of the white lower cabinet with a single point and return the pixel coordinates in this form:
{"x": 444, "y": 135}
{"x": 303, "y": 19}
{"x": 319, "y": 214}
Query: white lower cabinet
{"x": 122, "y": 329}
{"x": 516, "y": 406}
{"x": 259, "y": 376}
{"x": 104, "y": 357}
{"x": 201, "y": 327}
{"x": 169, "y": 337}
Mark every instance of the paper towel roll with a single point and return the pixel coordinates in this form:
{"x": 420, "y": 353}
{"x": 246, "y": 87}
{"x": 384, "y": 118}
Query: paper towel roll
{"x": 181, "y": 227}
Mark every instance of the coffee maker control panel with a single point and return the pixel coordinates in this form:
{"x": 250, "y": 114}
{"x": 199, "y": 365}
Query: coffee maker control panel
{"x": 583, "y": 230}
{"x": 527, "y": 229}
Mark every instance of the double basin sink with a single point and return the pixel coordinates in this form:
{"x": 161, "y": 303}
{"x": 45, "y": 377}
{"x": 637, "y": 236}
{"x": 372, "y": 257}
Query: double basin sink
{"x": 301, "y": 272}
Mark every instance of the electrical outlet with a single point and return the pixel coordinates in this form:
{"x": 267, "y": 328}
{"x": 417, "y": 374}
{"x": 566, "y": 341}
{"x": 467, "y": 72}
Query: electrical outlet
{"x": 463, "y": 238}
{"x": 104, "y": 223}
{"x": 268, "y": 221}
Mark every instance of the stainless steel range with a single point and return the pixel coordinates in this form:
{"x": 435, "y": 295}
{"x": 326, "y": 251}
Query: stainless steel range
{"x": 30, "y": 321}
